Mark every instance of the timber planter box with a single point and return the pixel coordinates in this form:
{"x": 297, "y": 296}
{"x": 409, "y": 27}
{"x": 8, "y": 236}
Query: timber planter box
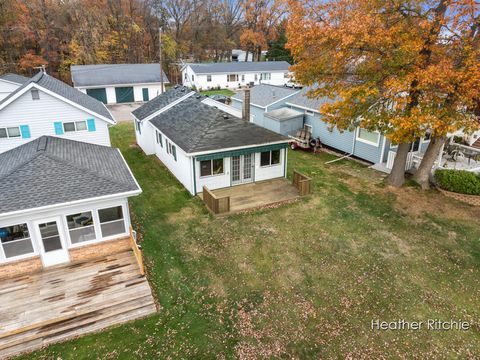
{"x": 469, "y": 199}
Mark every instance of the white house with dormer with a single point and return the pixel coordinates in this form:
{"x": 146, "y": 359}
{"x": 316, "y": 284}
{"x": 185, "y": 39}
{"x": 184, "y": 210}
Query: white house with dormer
{"x": 44, "y": 105}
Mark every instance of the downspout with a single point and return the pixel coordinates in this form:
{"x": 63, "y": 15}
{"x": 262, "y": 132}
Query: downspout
{"x": 353, "y": 148}
{"x": 285, "y": 163}
{"x": 194, "y": 178}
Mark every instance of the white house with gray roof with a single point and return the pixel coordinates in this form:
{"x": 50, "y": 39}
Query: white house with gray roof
{"x": 44, "y": 105}
{"x": 235, "y": 74}
{"x": 61, "y": 200}
{"x": 119, "y": 83}
{"x": 205, "y": 145}
{"x": 9, "y": 83}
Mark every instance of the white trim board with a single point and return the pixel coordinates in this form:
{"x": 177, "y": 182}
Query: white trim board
{"x": 51, "y": 93}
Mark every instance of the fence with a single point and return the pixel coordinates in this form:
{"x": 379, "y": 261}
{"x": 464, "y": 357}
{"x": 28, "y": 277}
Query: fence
{"x": 217, "y": 205}
{"x": 302, "y": 183}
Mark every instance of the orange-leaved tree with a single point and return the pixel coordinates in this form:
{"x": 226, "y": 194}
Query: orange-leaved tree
{"x": 403, "y": 68}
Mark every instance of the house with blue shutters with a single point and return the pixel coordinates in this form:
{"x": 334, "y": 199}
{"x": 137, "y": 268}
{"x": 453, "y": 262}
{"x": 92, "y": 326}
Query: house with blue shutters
{"x": 44, "y": 105}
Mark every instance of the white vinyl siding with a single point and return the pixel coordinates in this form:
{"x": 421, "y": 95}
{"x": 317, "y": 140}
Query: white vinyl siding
{"x": 40, "y": 116}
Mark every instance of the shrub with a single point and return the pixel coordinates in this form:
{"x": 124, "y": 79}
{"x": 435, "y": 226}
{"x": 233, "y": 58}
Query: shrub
{"x": 459, "y": 181}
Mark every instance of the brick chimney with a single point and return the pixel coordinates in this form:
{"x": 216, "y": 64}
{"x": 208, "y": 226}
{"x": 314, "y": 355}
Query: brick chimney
{"x": 246, "y": 106}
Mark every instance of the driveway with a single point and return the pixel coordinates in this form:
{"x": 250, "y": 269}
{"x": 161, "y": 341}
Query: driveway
{"x": 122, "y": 112}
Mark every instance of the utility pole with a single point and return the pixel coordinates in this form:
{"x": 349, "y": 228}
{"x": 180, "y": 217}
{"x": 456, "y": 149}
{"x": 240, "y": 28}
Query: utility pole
{"x": 160, "y": 55}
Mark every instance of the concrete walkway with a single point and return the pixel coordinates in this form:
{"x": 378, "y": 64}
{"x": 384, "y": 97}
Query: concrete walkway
{"x": 122, "y": 112}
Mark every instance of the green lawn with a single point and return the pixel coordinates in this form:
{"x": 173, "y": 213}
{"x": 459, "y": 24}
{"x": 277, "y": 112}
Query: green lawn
{"x": 225, "y": 92}
{"x": 302, "y": 280}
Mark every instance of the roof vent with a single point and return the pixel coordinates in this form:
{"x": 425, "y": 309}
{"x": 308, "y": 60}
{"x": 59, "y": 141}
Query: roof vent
{"x": 175, "y": 87}
{"x": 183, "y": 90}
{"x": 198, "y": 96}
{"x": 225, "y": 116}
{"x": 42, "y": 143}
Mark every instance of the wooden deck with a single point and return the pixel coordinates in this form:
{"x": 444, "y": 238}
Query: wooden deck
{"x": 72, "y": 300}
{"x": 258, "y": 195}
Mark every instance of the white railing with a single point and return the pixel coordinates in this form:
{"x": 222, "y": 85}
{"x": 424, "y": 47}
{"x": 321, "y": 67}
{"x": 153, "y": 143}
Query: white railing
{"x": 412, "y": 159}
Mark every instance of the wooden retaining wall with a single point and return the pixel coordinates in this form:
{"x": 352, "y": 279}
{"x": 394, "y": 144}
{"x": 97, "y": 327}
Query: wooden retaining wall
{"x": 217, "y": 205}
{"x": 302, "y": 183}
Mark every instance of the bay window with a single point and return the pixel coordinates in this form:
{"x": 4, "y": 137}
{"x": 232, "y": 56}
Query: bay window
{"x": 15, "y": 240}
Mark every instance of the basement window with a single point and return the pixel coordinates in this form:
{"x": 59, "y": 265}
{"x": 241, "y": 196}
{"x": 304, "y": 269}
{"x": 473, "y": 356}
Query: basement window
{"x": 16, "y": 241}
{"x": 211, "y": 167}
{"x": 268, "y": 158}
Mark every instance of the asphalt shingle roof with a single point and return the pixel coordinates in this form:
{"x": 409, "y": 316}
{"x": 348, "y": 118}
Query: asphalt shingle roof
{"x": 116, "y": 74}
{"x": 60, "y": 88}
{"x": 264, "y": 95}
{"x": 232, "y": 67}
{"x": 301, "y": 99}
{"x": 51, "y": 170}
{"x": 160, "y": 101}
{"x": 15, "y": 78}
{"x": 195, "y": 126}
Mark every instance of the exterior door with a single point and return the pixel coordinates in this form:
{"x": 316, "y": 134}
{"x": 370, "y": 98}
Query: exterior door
{"x": 53, "y": 247}
{"x": 145, "y": 94}
{"x": 242, "y": 169}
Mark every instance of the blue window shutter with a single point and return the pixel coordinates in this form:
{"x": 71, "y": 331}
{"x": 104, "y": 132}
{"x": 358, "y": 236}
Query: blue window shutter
{"x": 25, "y": 130}
{"x": 91, "y": 124}
{"x": 58, "y": 128}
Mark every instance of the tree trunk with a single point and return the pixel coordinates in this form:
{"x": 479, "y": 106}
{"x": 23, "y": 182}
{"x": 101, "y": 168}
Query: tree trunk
{"x": 397, "y": 175}
{"x": 422, "y": 175}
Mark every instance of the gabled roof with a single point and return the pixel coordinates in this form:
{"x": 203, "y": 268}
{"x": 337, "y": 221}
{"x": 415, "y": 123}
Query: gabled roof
{"x": 302, "y": 100}
{"x": 264, "y": 95}
{"x": 232, "y": 67}
{"x": 65, "y": 92}
{"x": 116, "y": 74}
{"x": 50, "y": 171}
{"x": 14, "y": 78}
{"x": 159, "y": 102}
{"x": 197, "y": 127}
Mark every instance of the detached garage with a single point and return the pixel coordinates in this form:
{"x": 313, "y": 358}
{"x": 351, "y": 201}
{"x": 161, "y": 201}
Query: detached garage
{"x": 119, "y": 83}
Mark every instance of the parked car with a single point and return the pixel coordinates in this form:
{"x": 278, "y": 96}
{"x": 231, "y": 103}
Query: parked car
{"x": 220, "y": 98}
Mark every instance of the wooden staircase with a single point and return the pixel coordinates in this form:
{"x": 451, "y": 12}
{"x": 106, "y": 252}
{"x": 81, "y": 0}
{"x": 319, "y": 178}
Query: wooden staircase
{"x": 68, "y": 301}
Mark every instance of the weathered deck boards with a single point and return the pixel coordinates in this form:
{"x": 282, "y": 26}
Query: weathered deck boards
{"x": 67, "y": 301}
{"x": 259, "y": 194}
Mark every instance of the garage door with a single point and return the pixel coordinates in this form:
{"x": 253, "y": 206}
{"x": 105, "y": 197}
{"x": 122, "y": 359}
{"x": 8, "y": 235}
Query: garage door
{"x": 124, "y": 94}
{"x": 99, "y": 94}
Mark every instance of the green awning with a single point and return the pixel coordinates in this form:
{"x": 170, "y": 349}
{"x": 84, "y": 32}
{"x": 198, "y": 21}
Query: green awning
{"x": 247, "y": 151}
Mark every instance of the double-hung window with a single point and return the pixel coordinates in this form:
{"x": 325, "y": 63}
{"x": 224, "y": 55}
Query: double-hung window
{"x": 75, "y": 126}
{"x": 111, "y": 221}
{"x": 265, "y": 76}
{"x": 159, "y": 138}
{"x": 15, "y": 240}
{"x": 268, "y": 158}
{"x": 369, "y": 137}
{"x": 81, "y": 227}
{"x": 10, "y": 132}
{"x": 211, "y": 167}
{"x": 232, "y": 77}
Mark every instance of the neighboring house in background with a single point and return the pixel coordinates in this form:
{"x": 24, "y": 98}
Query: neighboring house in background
{"x": 263, "y": 100}
{"x": 46, "y": 106}
{"x": 239, "y": 55}
{"x": 203, "y": 145}
{"x": 9, "y": 83}
{"x": 119, "y": 83}
{"x": 235, "y": 74}
{"x": 293, "y": 108}
{"x": 62, "y": 201}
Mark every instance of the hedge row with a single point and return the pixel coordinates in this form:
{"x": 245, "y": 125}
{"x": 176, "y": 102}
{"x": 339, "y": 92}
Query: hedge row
{"x": 459, "y": 181}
